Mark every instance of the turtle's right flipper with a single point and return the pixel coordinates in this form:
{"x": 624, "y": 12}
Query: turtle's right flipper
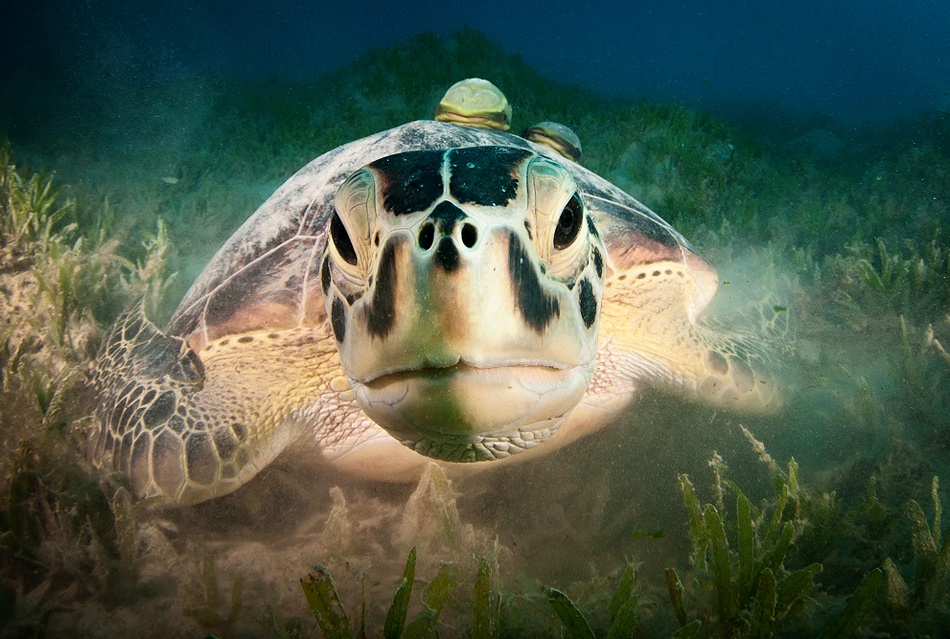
{"x": 155, "y": 423}
{"x": 145, "y": 426}
{"x": 186, "y": 427}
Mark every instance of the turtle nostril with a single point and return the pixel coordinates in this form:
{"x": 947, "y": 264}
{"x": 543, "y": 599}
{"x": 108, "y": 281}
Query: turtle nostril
{"x": 469, "y": 235}
{"x": 426, "y": 236}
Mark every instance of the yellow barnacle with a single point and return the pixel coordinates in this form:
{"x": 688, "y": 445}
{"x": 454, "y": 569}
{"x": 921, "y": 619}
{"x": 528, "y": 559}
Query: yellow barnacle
{"x": 477, "y": 103}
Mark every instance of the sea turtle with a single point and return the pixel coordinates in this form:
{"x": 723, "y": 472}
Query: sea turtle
{"x": 441, "y": 290}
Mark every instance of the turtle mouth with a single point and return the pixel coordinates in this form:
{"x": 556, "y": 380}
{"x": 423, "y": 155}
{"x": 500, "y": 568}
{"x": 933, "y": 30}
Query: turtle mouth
{"x": 464, "y": 412}
{"x": 458, "y": 367}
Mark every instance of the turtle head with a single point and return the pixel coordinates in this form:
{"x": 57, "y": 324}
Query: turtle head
{"x": 464, "y": 290}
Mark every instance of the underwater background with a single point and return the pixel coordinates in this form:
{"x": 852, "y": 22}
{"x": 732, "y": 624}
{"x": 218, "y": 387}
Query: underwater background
{"x": 801, "y": 147}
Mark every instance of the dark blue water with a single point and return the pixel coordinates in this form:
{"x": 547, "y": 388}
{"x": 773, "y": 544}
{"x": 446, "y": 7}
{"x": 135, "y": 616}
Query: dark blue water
{"x": 851, "y": 60}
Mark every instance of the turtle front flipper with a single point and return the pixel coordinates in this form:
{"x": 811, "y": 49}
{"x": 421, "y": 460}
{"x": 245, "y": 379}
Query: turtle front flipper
{"x": 186, "y": 428}
{"x": 650, "y": 331}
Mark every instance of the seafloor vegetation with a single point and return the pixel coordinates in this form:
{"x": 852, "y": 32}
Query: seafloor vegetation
{"x": 682, "y": 521}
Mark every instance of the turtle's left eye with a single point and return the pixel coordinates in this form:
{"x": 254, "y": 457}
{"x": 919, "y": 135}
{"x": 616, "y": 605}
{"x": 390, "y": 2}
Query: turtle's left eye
{"x": 569, "y": 223}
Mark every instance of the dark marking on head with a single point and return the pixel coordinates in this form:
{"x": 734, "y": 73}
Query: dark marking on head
{"x": 446, "y": 255}
{"x": 247, "y": 339}
{"x": 591, "y": 227}
{"x": 527, "y": 227}
{"x": 588, "y": 303}
{"x": 487, "y": 176}
{"x": 325, "y": 274}
{"x": 382, "y": 309}
{"x": 338, "y": 319}
{"x": 410, "y": 182}
{"x": 598, "y": 261}
{"x": 446, "y": 215}
{"x": 536, "y": 306}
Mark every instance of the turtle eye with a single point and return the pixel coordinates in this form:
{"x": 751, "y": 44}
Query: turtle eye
{"x": 569, "y": 224}
{"x": 341, "y": 240}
